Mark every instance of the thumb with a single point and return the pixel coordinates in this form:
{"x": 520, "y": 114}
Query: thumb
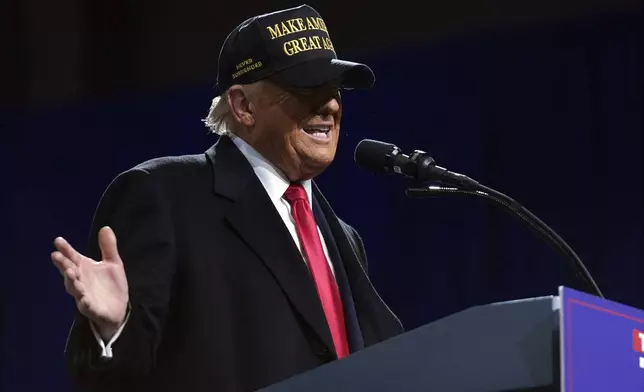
{"x": 107, "y": 242}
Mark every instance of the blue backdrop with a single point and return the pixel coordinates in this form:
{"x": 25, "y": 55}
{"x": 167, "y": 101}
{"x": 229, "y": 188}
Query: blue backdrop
{"x": 551, "y": 116}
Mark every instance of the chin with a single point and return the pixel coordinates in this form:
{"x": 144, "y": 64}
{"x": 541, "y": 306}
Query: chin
{"x": 319, "y": 164}
{"x": 312, "y": 166}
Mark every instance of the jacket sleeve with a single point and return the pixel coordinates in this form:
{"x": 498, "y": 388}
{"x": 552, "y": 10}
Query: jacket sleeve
{"x": 138, "y": 211}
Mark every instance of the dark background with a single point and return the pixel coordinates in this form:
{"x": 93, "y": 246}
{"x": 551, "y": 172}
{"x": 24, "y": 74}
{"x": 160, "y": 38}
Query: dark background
{"x": 541, "y": 100}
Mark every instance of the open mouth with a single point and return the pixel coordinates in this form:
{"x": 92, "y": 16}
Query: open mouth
{"x": 318, "y": 131}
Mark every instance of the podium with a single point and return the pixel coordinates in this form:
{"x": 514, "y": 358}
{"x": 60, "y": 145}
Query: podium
{"x": 566, "y": 342}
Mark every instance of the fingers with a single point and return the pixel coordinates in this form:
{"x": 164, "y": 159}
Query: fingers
{"x": 67, "y": 250}
{"x": 107, "y": 242}
{"x": 75, "y": 288}
{"x": 61, "y": 262}
{"x": 70, "y": 273}
{"x": 73, "y": 284}
{"x": 67, "y": 260}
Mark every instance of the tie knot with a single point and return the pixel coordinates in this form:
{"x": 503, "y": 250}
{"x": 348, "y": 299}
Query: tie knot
{"x": 295, "y": 192}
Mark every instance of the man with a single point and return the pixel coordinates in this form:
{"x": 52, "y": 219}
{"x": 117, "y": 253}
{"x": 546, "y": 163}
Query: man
{"x": 231, "y": 272}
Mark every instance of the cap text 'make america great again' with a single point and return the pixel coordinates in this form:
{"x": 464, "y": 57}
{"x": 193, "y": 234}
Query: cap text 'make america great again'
{"x": 302, "y": 44}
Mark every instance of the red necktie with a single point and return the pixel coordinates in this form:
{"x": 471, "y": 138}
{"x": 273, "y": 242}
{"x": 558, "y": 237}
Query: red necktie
{"x": 325, "y": 282}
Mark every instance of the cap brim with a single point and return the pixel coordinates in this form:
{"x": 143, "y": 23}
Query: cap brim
{"x": 319, "y": 72}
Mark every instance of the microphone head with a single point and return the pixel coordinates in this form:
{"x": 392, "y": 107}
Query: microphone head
{"x": 374, "y": 155}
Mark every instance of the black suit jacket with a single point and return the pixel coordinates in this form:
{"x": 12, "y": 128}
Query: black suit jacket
{"x": 221, "y": 299}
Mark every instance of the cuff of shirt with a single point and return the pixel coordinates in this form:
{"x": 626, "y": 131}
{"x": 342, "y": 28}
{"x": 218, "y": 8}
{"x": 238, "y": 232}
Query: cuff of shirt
{"x": 106, "y": 349}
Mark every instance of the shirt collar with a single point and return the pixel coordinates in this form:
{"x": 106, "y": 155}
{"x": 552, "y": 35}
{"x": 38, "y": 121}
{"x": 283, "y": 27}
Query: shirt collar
{"x": 272, "y": 178}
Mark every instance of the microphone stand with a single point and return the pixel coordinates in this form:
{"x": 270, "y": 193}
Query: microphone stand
{"x": 468, "y": 186}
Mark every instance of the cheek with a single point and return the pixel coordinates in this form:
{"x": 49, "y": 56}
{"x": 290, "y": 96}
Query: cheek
{"x": 283, "y": 134}
{"x": 274, "y": 124}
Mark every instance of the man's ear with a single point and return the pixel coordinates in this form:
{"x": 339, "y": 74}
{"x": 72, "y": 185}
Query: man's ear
{"x": 241, "y": 108}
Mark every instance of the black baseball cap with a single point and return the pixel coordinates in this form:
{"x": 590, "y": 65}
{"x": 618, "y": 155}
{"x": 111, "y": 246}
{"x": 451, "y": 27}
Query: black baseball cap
{"x": 290, "y": 47}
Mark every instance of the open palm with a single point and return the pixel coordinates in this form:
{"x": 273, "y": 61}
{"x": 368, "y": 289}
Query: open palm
{"x": 99, "y": 287}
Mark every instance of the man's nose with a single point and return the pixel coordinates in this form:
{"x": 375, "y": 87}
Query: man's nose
{"x": 331, "y": 107}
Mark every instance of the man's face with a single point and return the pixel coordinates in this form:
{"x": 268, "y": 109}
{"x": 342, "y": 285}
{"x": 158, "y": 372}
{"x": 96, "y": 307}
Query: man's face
{"x": 297, "y": 130}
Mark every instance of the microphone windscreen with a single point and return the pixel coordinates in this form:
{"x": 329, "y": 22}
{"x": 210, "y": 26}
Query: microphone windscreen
{"x": 373, "y": 155}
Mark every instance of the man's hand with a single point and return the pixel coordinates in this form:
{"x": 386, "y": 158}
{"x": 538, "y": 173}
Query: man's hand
{"x": 99, "y": 287}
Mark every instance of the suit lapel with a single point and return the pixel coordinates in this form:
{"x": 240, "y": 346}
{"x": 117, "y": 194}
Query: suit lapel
{"x": 354, "y": 334}
{"x": 253, "y": 216}
{"x": 376, "y": 320}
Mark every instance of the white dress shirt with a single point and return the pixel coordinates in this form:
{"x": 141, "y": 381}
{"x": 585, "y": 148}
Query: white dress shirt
{"x": 275, "y": 183}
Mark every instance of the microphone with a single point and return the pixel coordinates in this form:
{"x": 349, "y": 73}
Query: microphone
{"x": 386, "y": 158}
{"x": 381, "y": 157}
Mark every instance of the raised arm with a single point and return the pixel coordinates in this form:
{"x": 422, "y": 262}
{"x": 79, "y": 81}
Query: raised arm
{"x": 116, "y": 281}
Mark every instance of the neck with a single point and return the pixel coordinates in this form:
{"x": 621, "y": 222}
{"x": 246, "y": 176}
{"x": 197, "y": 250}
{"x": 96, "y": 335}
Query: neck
{"x": 288, "y": 173}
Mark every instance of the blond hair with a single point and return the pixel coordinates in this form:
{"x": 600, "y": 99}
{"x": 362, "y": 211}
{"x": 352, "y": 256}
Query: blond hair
{"x": 219, "y": 119}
